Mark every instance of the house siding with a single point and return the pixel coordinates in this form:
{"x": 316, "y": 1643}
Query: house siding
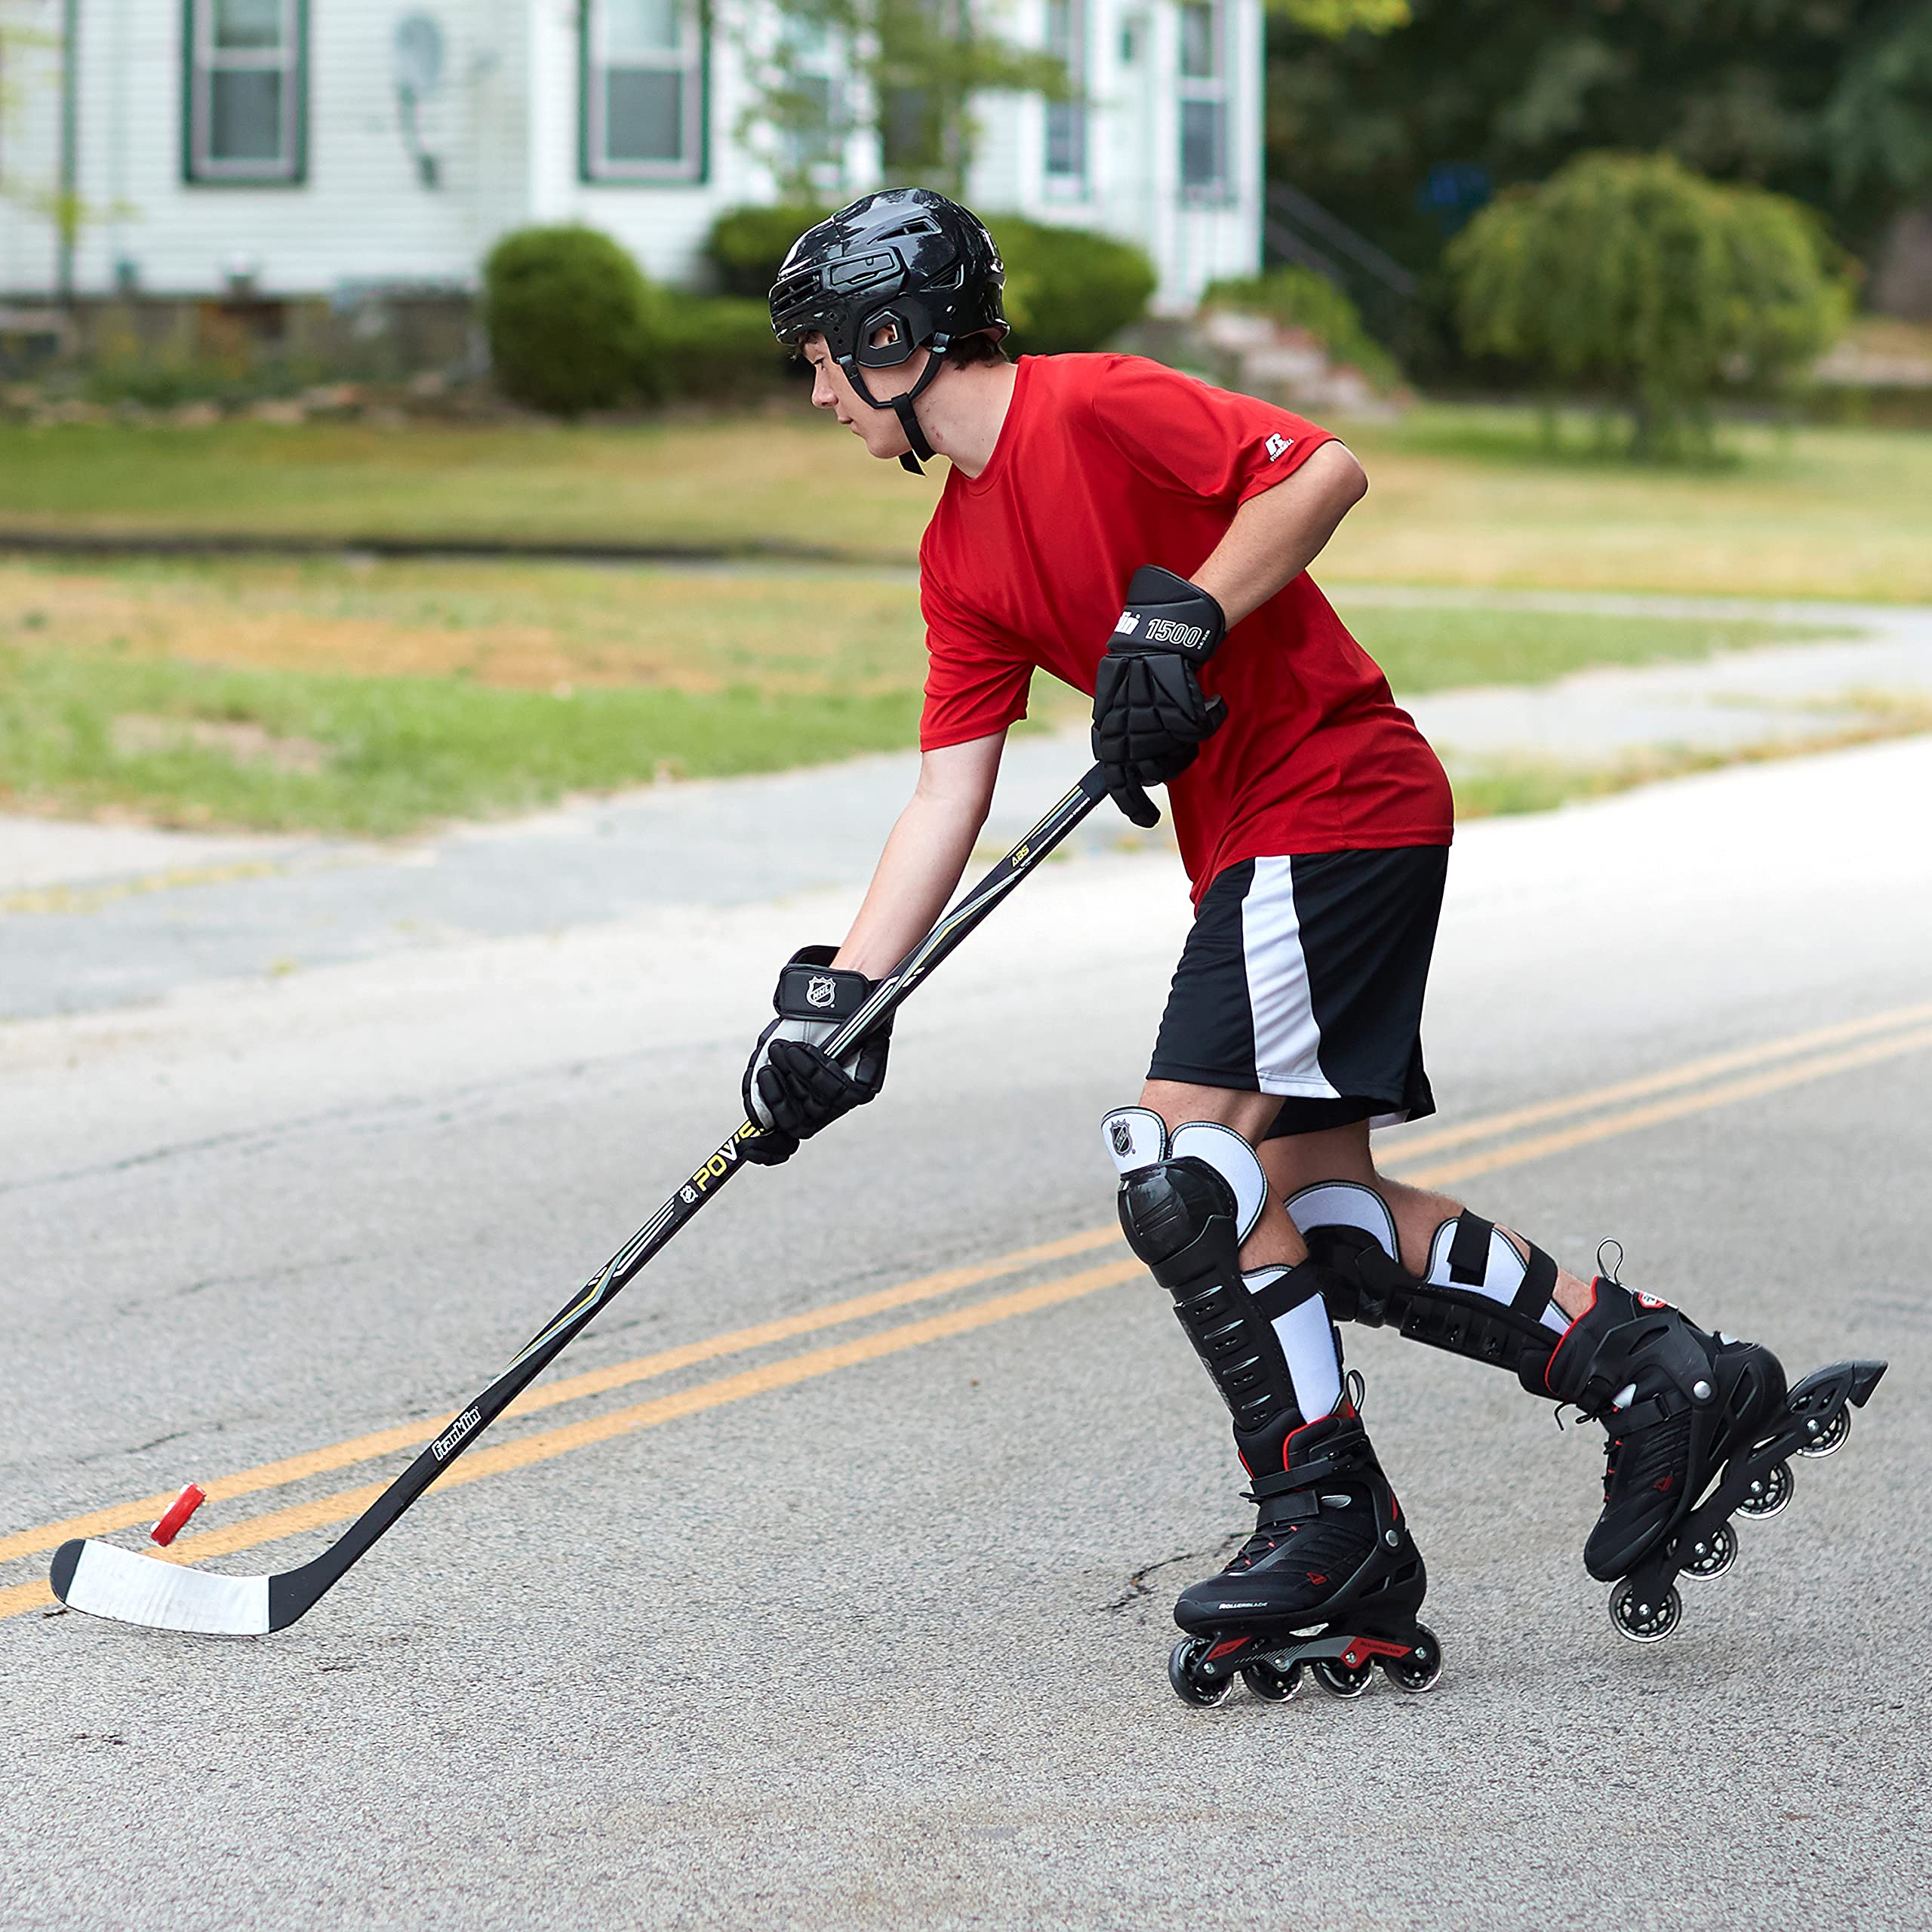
{"x": 505, "y": 126}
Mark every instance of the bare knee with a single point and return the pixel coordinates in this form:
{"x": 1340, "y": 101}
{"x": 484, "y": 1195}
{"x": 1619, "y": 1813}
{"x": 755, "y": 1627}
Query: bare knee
{"x": 1178, "y": 1102}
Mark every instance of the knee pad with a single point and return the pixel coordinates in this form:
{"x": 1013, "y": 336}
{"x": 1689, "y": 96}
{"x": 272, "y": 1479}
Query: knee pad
{"x": 1188, "y": 1200}
{"x": 1479, "y": 1297}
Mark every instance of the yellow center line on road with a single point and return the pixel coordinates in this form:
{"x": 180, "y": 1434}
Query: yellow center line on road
{"x": 1538, "y": 1147}
{"x": 346, "y": 1505}
{"x": 568, "y": 1389}
{"x": 1688, "y": 1074}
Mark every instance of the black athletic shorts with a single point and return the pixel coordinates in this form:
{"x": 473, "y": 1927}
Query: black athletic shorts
{"x": 1304, "y": 977}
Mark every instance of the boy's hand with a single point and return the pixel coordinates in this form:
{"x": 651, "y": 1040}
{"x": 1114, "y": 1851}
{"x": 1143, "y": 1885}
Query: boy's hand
{"x": 1149, "y": 713}
{"x": 791, "y": 1088}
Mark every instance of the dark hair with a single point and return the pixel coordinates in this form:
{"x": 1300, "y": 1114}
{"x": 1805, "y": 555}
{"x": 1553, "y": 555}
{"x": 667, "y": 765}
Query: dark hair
{"x": 981, "y": 346}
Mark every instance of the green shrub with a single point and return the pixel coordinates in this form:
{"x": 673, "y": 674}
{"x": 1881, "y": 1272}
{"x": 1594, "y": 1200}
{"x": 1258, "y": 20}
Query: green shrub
{"x": 745, "y": 245}
{"x": 1068, "y": 288}
{"x": 1301, "y": 299}
{"x": 1660, "y": 290}
{"x": 718, "y": 348}
{"x": 571, "y": 321}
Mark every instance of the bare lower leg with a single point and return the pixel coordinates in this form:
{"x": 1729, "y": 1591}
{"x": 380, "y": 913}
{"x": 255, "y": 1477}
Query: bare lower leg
{"x": 1342, "y": 1153}
{"x": 1274, "y": 1240}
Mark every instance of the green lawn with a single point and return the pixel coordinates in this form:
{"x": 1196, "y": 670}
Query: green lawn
{"x": 1459, "y": 495}
{"x": 734, "y": 484}
{"x": 187, "y": 744}
{"x": 373, "y": 697}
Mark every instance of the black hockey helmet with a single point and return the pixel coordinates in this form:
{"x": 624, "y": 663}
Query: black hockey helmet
{"x": 904, "y": 260}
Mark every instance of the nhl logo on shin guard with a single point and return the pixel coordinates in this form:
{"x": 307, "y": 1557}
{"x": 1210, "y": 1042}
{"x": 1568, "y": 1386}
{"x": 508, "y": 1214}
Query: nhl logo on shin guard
{"x": 821, "y": 991}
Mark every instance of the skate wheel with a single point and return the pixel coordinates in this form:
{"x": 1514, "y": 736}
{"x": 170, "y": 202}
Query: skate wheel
{"x": 1711, "y": 1555}
{"x": 1769, "y": 1493}
{"x": 1183, "y": 1673}
{"x": 1270, "y": 1685}
{"x": 1422, "y": 1669}
{"x": 1339, "y": 1680}
{"x": 1831, "y": 1438}
{"x": 1647, "y": 1621}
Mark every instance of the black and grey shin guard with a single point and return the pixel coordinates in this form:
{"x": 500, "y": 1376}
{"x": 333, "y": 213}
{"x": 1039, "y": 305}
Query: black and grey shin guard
{"x": 1479, "y": 1298}
{"x": 1187, "y": 1202}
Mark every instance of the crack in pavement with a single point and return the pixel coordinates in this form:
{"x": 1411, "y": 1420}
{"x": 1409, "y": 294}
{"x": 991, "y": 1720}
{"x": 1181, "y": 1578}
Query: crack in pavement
{"x": 1138, "y": 1588}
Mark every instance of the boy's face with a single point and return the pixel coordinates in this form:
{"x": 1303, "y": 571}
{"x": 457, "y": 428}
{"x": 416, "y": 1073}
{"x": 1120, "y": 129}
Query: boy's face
{"x": 878, "y": 428}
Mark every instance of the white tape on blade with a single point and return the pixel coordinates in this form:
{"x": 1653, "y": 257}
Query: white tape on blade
{"x": 109, "y": 1581}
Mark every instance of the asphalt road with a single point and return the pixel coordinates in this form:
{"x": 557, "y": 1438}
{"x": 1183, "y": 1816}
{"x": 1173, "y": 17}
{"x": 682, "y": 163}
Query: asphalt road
{"x": 864, "y": 1624}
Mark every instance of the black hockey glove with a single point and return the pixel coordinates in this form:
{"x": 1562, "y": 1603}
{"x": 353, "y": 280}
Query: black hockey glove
{"x": 791, "y": 1089}
{"x": 1149, "y": 716}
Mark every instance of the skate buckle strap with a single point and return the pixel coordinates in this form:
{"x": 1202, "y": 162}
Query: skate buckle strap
{"x": 1283, "y": 1498}
{"x": 1645, "y": 1414}
{"x": 1317, "y": 1470}
{"x": 1592, "y": 1402}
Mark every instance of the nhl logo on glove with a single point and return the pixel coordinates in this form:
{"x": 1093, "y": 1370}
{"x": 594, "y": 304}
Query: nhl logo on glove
{"x": 821, "y": 991}
{"x": 1123, "y": 1138}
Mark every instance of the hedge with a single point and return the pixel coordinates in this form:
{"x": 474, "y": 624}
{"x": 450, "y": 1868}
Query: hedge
{"x": 570, "y": 320}
{"x": 1067, "y": 288}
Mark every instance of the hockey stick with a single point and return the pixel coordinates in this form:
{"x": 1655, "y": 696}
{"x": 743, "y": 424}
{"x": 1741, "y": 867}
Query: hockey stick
{"x": 105, "y": 1580}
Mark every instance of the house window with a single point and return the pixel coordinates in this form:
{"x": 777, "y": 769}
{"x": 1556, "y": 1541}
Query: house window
{"x": 644, "y": 90}
{"x": 246, "y": 78}
{"x": 1066, "y": 120}
{"x": 1203, "y": 99}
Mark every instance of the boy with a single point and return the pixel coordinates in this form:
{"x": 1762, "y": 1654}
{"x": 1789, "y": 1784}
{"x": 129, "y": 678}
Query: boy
{"x": 1146, "y": 538}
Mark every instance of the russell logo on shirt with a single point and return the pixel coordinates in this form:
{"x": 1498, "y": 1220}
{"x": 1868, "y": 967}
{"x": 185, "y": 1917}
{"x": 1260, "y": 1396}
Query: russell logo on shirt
{"x": 1279, "y": 446}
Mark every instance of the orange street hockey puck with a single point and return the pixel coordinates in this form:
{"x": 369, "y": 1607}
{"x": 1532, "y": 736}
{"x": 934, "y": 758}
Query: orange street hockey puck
{"x": 183, "y": 1506}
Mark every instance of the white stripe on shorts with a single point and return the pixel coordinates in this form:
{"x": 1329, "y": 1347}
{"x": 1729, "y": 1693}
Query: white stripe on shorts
{"x": 1287, "y": 1040}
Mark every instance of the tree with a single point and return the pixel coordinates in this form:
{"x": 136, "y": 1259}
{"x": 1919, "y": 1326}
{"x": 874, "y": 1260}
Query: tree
{"x": 919, "y": 64}
{"x": 1827, "y": 100}
{"x": 914, "y": 67}
{"x": 1659, "y": 289}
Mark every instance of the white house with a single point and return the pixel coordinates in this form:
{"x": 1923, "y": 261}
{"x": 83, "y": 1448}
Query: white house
{"x": 290, "y": 148}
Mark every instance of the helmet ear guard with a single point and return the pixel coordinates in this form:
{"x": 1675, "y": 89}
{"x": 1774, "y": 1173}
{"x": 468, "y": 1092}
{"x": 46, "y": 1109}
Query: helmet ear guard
{"x": 901, "y": 406}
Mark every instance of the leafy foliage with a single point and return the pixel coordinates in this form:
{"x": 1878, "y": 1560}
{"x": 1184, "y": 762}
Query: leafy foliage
{"x": 1827, "y": 100}
{"x": 917, "y": 65}
{"x": 1331, "y": 19}
{"x": 570, "y": 320}
{"x": 745, "y": 245}
{"x": 1070, "y": 289}
{"x": 718, "y": 349}
{"x": 1633, "y": 276}
{"x": 1300, "y": 298}
{"x": 1067, "y": 288}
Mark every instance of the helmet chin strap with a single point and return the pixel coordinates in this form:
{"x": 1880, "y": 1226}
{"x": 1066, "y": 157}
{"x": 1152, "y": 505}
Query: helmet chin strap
{"x": 901, "y": 406}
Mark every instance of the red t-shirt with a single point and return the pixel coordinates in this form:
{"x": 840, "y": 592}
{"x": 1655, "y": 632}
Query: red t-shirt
{"x": 1105, "y": 462}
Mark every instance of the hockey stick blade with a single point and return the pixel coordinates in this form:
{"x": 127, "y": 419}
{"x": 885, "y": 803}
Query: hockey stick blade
{"x": 103, "y": 1580}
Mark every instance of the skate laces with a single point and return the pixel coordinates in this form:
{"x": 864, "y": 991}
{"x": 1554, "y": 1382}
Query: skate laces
{"x": 1649, "y": 1459}
{"x": 1262, "y": 1542}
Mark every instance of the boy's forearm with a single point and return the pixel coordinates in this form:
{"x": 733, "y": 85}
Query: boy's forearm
{"x": 917, "y": 874}
{"x": 1275, "y": 536}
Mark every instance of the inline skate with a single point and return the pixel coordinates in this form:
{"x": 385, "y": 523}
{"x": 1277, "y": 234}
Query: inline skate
{"x": 1699, "y": 1425}
{"x": 1331, "y": 1579}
